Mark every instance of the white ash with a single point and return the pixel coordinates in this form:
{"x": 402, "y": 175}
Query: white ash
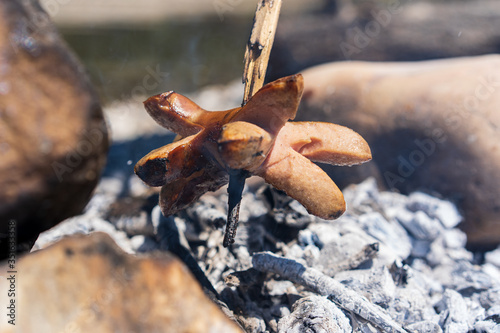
{"x": 314, "y": 314}
{"x": 421, "y": 279}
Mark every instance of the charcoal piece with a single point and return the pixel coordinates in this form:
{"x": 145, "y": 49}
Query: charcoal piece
{"x": 464, "y": 277}
{"x": 287, "y": 210}
{"x": 276, "y": 288}
{"x": 453, "y": 312}
{"x": 410, "y": 305}
{"x": 493, "y": 257}
{"x": 363, "y": 196}
{"x": 454, "y": 239}
{"x": 376, "y": 284}
{"x": 444, "y": 211}
{"x": 490, "y": 298}
{"x": 424, "y": 327}
{"x": 419, "y": 224}
{"x": 308, "y": 237}
{"x": 489, "y": 325}
{"x": 389, "y": 233}
{"x": 314, "y": 314}
{"x": 440, "y": 254}
{"x": 349, "y": 252}
{"x": 252, "y": 323}
{"x": 207, "y": 214}
{"x": 316, "y": 281}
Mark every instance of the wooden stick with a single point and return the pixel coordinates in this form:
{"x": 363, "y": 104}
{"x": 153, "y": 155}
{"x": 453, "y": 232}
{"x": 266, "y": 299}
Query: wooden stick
{"x": 259, "y": 46}
{"x": 322, "y": 284}
{"x": 256, "y": 58}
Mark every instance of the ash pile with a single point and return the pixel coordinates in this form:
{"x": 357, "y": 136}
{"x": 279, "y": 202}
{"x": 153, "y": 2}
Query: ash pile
{"x": 391, "y": 263}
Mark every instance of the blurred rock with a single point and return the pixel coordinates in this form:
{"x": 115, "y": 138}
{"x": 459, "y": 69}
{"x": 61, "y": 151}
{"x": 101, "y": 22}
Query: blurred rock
{"x": 99, "y": 288}
{"x": 431, "y": 126}
{"x": 375, "y": 30}
{"x": 53, "y": 138}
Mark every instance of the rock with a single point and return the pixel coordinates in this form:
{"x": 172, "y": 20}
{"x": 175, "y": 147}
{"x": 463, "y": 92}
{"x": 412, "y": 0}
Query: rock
{"x": 53, "y": 138}
{"x": 99, "y": 288}
{"x": 373, "y": 30}
{"x": 431, "y": 126}
{"x": 314, "y": 314}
